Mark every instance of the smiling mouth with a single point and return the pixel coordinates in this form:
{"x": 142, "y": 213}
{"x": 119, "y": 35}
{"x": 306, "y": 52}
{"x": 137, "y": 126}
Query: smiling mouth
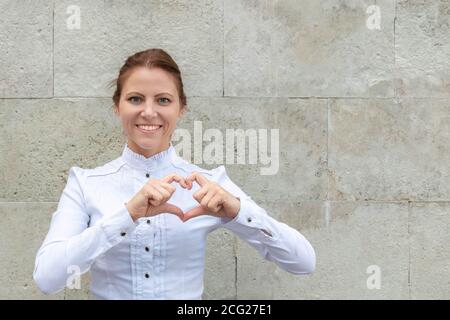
{"x": 148, "y": 128}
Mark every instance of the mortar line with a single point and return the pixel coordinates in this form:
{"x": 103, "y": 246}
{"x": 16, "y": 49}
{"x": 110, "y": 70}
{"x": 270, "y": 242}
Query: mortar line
{"x": 223, "y": 95}
{"x": 327, "y": 204}
{"x": 37, "y": 201}
{"x": 395, "y": 51}
{"x": 409, "y": 250}
{"x": 235, "y": 245}
{"x": 235, "y": 277}
{"x": 243, "y": 97}
{"x": 318, "y": 201}
{"x": 223, "y": 48}
{"x": 53, "y": 49}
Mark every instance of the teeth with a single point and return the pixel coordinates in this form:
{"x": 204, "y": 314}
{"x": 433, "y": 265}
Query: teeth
{"x": 148, "y": 128}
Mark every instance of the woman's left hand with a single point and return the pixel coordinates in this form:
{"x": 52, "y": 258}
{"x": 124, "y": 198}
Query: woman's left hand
{"x": 213, "y": 199}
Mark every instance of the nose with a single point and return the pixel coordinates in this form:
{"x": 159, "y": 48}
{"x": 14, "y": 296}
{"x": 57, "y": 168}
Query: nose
{"x": 149, "y": 110}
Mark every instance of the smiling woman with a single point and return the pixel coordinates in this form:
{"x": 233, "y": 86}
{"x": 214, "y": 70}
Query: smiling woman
{"x": 140, "y": 222}
{"x": 149, "y": 98}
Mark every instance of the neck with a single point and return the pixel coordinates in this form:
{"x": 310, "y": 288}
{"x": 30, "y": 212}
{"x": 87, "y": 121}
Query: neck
{"x": 150, "y": 151}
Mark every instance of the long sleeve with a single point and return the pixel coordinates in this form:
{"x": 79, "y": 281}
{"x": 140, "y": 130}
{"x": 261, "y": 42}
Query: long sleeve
{"x": 71, "y": 242}
{"x": 275, "y": 241}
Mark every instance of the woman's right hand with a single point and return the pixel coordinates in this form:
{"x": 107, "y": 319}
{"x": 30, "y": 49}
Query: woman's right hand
{"x": 152, "y": 199}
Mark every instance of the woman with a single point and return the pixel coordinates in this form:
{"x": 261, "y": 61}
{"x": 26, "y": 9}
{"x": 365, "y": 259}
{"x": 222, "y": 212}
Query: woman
{"x": 139, "y": 223}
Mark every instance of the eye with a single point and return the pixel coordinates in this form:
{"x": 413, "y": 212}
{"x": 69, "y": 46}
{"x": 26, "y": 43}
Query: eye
{"x": 135, "y": 99}
{"x": 165, "y": 101}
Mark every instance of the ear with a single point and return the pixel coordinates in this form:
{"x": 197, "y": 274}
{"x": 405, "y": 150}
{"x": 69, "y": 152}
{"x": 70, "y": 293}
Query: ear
{"x": 116, "y": 110}
{"x": 182, "y": 111}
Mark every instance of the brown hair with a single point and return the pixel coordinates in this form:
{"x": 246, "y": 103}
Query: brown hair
{"x": 150, "y": 58}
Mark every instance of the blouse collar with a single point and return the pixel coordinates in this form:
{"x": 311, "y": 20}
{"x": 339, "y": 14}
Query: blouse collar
{"x": 156, "y": 161}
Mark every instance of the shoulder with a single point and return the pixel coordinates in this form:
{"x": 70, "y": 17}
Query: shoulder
{"x": 82, "y": 174}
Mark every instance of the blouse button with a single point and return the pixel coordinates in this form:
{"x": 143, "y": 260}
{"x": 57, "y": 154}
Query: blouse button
{"x": 148, "y": 221}
{"x": 123, "y": 234}
{"x": 147, "y": 275}
{"x": 147, "y": 175}
{"x": 249, "y": 219}
{"x": 147, "y": 249}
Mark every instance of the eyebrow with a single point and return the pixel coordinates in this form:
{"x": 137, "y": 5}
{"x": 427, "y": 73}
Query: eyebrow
{"x": 134, "y": 92}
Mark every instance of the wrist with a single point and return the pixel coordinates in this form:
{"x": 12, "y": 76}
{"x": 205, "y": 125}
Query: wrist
{"x": 237, "y": 208}
{"x": 133, "y": 215}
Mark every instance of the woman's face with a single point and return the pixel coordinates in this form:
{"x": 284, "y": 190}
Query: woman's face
{"x": 149, "y": 97}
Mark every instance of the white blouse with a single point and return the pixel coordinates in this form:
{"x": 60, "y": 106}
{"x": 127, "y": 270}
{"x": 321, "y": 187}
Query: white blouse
{"x": 157, "y": 257}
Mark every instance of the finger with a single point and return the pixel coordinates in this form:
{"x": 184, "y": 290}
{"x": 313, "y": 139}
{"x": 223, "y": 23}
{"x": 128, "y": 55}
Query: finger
{"x": 148, "y": 192}
{"x": 155, "y": 196}
{"x": 165, "y": 193}
{"x": 215, "y": 204}
{"x": 170, "y": 188}
{"x": 169, "y": 208}
{"x": 199, "y": 194}
{"x": 195, "y": 212}
{"x": 197, "y": 177}
{"x": 174, "y": 177}
{"x": 208, "y": 196}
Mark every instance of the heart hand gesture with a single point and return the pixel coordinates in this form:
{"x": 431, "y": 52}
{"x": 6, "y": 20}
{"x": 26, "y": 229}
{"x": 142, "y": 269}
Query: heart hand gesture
{"x": 152, "y": 199}
{"x": 213, "y": 199}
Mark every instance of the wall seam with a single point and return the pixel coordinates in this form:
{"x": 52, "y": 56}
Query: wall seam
{"x": 53, "y": 49}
